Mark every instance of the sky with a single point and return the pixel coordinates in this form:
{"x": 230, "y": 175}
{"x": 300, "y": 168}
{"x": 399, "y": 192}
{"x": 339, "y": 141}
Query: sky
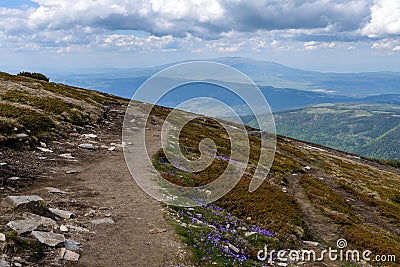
{"x": 323, "y": 35}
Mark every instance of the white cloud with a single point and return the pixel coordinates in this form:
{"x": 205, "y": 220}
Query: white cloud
{"x": 312, "y": 45}
{"x": 385, "y": 44}
{"x": 385, "y": 19}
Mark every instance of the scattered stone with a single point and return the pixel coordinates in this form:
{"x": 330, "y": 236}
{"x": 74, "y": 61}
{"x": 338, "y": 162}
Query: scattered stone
{"x": 53, "y": 190}
{"x": 232, "y": 247}
{"x": 157, "y": 230}
{"x": 2, "y": 237}
{"x": 87, "y": 146}
{"x": 282, "y": 264}
{"x": 23, "y": 226}
{"x": 14, "y": 178}
{"x": 49, "y": 238}
{"x": 44, "y": 221}
{"x": 90, "y": 136}
{"x": 311, "y": 243}
{"x": 307, "y": 167}
{"x": 43, "y": 149}
{"x": 42, "y": 158}
{"x": 17, "y": 264}
{"x": 71, "y": 245}
{"x": 247, "y": 234}
{"x": 43, "y": 145}
{"x": 108, "y": 215}
{"x": 3, "y": 164}
{"x": 63, "y": 228}
{"x": 69, "y": 255}
{"x": 111, "y": 148}
{"x": 4, "y": 263}
{"x": 67, "y": 156}
{"x": 72, "y": 172}
{"x": 61, "y": 213}
{"x": 78, "y": 228}
{"x": 15, "y": 201}
{"x": 103, "y": 221}
{"x": 22, "y": 135}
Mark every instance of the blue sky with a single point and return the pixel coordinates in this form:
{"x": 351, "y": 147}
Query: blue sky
{"x": 325, "y": 35}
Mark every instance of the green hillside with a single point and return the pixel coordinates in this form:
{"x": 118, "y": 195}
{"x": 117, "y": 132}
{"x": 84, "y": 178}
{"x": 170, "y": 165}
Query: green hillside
{"x": 370, "y": 130}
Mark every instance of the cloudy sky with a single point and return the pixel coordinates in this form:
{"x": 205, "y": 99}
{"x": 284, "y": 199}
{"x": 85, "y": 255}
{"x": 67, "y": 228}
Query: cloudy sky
{"x": 326, "y": 35}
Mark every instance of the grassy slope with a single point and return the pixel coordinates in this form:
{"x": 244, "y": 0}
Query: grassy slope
{"x": 44, "y": 110}
{"x": 360, "y": 200}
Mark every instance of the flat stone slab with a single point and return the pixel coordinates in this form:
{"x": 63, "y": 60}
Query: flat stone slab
{"x": 61, "y": 213}
{"x": 53, "y": 190}
{"x": 68, "y": 255}
{"x": 71, "y": 245}
{"x": 49, "y": 238}
{"x": 40, "y": 219}
{"x": 87, "y": 146}
{"x": 15, "y": 201}
{"x": 44, "y": 149}
{"x": 2, "y": 237}
{"x": 66, "y": 156}
{"x": 4, "y": 263}
{"x": 103, "y": 221}
{"x": 23, "y": 226}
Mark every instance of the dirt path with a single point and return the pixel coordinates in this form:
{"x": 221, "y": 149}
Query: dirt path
{"x": 105, "y": 182}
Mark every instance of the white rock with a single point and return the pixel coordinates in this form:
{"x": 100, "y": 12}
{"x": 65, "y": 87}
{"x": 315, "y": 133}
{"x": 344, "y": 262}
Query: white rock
{"x": 63, "y": 228}
{"x": 43, "y": 145}
{"x": 22, "y": 135}
{"x": 103, "y": 221}
{"x": 49, "y": 238}
{"x": 17, "y": 264}
{"x": 78, "y": 228}
{"x": 311, "y": 243}
{"x": 111, "y": 148}
{"x": 61, "y": 213}
{"x": 307, "y": 167}
{"x": 232, "y": 247}
{"x": 90, "y": 136}
{"x": 67, "y": 156}
{"x": 2, "y": 237}
{"x": 4, "y": 263}
{"x": 53, "y": 190}
{"x": 3, "y": 164}
{"x": 43, "y": 149}
{"x": 247, "y": 234}
{"x": 282, "y": 264}
{"x": 15, "y": 201}
{"x": 71, "y": 256}
{"x": 23, "y": 226}
{"x": 87, "y": 146}
{"x": 15, "y": 178}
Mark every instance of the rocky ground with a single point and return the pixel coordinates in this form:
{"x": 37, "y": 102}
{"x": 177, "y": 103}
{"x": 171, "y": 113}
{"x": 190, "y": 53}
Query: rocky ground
{"x": 82, "y": 207}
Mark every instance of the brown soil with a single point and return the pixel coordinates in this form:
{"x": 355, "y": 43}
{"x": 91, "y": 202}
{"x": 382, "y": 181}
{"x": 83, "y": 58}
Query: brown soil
{"x": 102, "y": 188}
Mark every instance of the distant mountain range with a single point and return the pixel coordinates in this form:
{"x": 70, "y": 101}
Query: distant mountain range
{"x": 284, "y": 87}
{"x": 355, "y": 120}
